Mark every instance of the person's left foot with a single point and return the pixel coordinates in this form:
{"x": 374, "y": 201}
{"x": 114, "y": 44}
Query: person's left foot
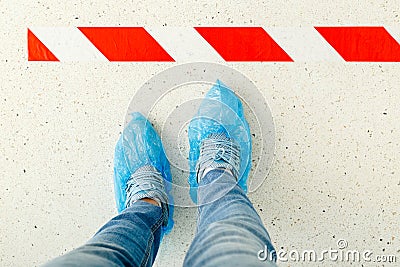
{"x": 141, "y": 168}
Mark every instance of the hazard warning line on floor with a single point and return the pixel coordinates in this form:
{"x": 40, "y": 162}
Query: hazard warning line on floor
{"x": 215, "y": 44}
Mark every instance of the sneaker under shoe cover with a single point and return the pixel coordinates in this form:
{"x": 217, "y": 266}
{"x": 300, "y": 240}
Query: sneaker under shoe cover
{"x": 218, "y": 151}
{"x": 221, "y": 111}
{"x": 139, "y": 145}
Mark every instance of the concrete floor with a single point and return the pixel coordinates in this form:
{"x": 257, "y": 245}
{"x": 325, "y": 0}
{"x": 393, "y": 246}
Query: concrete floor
{"x": 336, "y": 173}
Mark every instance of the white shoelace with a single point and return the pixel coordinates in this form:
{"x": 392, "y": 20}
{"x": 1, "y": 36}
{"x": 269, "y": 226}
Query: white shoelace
{"x": 218, "y": 151}
{"x": 146, "y": 182}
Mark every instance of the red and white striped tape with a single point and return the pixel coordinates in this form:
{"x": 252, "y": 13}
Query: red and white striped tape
{"x": 216, "y": 44}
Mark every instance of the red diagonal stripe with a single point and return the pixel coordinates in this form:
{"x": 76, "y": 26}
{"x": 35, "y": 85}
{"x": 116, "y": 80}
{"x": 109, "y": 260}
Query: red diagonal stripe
{"x": 37, "y": 51}
{"x": 243, "y": 43}
{"x": 372, "y": 44}
{"x": 126, "y": 43}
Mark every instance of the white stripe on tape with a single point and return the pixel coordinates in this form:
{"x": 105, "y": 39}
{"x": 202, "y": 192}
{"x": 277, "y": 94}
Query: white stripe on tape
{"x": 184, "y": 44}
{"x": 394, "y": 32}
{"x": 304, "y": 44}
{"x": 68, "y": 44}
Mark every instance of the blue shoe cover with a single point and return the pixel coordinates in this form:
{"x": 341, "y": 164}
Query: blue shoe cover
{"x": 220, "y": 111}
{"x": 140, "y": 145}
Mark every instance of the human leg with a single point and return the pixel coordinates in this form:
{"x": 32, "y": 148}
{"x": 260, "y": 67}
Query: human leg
{"x": 229, "y": 232}
{"x": 142, "y": 185}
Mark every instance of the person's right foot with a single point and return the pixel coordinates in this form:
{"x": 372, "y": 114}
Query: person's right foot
{"x": 218, "y": 151}
{"x": 219, "y": 138}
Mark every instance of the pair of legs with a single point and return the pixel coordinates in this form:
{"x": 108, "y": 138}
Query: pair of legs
{"x": 229, "y": 230}
{"x": 229, "y": 233}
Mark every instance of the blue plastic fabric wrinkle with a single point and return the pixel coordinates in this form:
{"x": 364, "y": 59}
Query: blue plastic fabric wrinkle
{"x": 140, "y": 145}
{"x": 220, "y": 111}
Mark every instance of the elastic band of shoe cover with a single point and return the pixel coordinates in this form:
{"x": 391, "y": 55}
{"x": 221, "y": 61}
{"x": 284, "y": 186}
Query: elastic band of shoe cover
{"x": 147, "y": 182}
{"x": 218, "y": 151}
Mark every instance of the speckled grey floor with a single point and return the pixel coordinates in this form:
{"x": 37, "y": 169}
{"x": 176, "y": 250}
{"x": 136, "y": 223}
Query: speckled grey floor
{"x": 336, "y": 171}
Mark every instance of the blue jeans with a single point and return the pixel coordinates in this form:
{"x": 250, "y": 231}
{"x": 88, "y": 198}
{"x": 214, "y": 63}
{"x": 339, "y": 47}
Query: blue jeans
{"x": 229, "y": 233}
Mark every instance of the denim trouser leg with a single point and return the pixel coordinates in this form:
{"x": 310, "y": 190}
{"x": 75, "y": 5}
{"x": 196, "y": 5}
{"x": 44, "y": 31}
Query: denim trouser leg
{"x": 132, "y": 238}
{"x": 229, "y": 230}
